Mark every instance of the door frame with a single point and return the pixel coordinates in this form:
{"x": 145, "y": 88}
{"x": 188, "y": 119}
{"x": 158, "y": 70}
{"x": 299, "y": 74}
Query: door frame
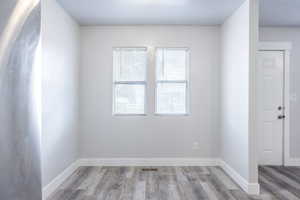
{"x": 286, "y": 48}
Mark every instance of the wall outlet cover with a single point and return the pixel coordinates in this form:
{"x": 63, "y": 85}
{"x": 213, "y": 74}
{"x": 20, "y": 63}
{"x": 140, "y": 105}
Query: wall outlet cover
{"x": 196, "y": 145}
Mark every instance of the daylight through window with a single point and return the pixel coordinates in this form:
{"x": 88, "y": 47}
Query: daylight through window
{"x": 172, "y": 80}
{"x": 129, "y": 85}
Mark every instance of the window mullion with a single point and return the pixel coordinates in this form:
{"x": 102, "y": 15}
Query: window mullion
{"x": 169, "y": 100}
{"x": 127, "y": 94}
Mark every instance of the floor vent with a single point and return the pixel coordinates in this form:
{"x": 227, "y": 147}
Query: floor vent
{"x": 150, "y": 169}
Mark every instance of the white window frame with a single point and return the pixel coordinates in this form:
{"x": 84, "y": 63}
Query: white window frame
{"x": 187, "y": 81}
{"x": 114, "y": 83}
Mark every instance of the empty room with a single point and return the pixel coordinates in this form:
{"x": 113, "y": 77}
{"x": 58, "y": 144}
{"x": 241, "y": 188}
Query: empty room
{"x": 149, "y": 100}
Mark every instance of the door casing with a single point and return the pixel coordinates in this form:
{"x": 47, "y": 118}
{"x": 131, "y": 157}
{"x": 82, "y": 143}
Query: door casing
{"x": 286, "y": 48}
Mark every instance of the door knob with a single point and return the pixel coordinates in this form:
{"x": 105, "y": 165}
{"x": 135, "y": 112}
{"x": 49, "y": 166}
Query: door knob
{"x": 281, "y": 117}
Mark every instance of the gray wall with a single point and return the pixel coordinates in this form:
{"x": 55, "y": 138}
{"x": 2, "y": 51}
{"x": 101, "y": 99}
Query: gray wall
{"x": 60, "y": 40}
{"x": 235, "y": 62}
{"x": 103, "y": 135}
{"x": 6, "y": 9}
{"x": 289, "y": 35}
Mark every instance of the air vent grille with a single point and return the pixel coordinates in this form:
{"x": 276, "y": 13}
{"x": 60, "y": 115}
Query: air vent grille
{"x": 150, "y": 169}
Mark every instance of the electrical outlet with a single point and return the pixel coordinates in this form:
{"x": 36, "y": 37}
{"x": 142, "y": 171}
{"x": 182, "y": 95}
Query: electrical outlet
{"x": 196, "y": 145}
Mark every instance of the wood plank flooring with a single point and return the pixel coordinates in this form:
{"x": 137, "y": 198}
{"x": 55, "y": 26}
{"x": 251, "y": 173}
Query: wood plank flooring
{"x": 173, "y": 183}
{"x": 283, "y": 183}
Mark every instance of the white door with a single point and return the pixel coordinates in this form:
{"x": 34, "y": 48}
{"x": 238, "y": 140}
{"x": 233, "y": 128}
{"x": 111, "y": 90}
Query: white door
{"x": 270, "y": 107}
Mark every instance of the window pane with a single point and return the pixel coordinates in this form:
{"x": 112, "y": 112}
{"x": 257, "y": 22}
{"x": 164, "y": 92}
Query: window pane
{"x": 129, "y": 99}
{"x": 130, "y": 64}
{"x": 171, "y": 98}
{"x": 171, "y": 64}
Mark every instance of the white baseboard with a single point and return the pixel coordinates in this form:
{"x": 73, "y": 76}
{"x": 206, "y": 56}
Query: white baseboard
{"x": 293, "y": 162}
{"x": 149, "y": 162}
{"x": 56, "y": 182}
{"x": 250, "y": 188}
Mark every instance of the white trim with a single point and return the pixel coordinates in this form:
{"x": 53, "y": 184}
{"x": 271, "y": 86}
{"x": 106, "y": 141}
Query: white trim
{"x": 250, "y": 188}
{"x": 115, "y": 82}
{"x": 252, "y": 134}
{"x": 58, "y": 180}
{"x": 286, "y": 48}
{"x": 275, "y": 46}
{"x": 293, "y": 162}
{"x": 287, "y": 156}
{"x": 148, "y": 162}
{"x": 186, "y": 81}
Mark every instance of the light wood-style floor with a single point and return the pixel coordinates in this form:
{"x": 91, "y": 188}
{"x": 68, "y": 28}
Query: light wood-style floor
{"x": 174, "y": 183}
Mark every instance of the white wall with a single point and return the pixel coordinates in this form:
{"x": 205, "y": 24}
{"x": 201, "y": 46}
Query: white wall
{"x": 289, "y": 35}
{"x": 60, "y": 44}
{"x": 236, "y": 80}
{"x": 104, "y": 135}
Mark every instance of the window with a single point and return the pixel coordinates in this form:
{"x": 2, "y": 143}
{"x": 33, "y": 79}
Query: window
{"x": 172, "y": 81}
{"x": 129, "y": 81}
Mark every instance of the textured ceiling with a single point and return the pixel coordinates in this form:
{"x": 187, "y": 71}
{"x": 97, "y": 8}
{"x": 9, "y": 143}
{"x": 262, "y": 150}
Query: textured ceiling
{"x": 127, "y": 12}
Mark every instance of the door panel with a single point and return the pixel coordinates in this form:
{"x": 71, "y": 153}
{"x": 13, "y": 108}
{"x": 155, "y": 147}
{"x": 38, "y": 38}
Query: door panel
{"x": 270, "y": 98}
